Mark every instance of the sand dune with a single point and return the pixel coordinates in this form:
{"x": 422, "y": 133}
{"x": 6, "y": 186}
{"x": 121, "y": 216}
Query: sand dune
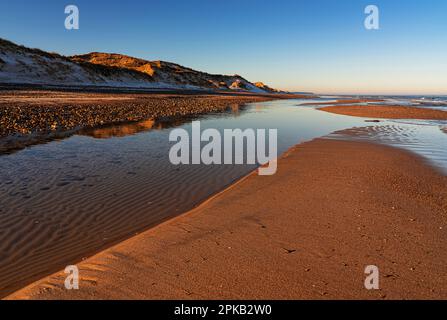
{"x": 307, "y": 232}
{"x": 25, "y": 66}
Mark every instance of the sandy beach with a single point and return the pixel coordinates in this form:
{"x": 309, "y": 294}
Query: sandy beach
{"x": 202, "y": 152}
{"x": 387, "y": 112}
{"x": 342, "y": 101}
{"x": 307, "y": 232}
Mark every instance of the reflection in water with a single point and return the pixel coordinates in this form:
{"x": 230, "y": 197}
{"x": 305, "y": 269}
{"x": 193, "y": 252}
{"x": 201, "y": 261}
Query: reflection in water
{"x": 132, "y": 128}
{"x": 420, "y": 137}
{"x": 235, "y": 109}
{"x": 119, "y": 130}
{"x": 64, "y": 200}
{"x": 12, "y": 144}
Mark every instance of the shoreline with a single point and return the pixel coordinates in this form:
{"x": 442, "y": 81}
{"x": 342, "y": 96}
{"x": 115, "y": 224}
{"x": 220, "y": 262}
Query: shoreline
{"x": 387, "y": 112}
{"x": 342, "y": 102}
{"x": 219, "y": 243}
{"x": 35, "y": 117}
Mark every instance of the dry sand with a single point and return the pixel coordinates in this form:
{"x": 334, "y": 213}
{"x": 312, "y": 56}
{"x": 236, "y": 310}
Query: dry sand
{"x": 388, "y": 112}
{"x": 307, "y": 232}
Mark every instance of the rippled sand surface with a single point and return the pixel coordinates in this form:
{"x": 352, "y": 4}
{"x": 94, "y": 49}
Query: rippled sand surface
{"x": 420, "y": 137}
{"x": 67, "y": 199}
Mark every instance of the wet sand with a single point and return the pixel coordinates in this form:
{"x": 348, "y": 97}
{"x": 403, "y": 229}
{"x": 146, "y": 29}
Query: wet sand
{"x": 388, "y": 112}
{"x": 307, "y": 232}
{"x": 346, "y": 101}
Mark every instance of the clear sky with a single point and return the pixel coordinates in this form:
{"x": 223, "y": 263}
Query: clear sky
{"x": 301, "y": 45}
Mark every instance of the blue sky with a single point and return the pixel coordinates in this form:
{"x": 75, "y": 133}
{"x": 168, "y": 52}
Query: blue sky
{"x": 302, "y": 45}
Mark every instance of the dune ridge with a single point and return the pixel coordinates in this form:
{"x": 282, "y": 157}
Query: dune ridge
{"x": 22, "y": 65}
